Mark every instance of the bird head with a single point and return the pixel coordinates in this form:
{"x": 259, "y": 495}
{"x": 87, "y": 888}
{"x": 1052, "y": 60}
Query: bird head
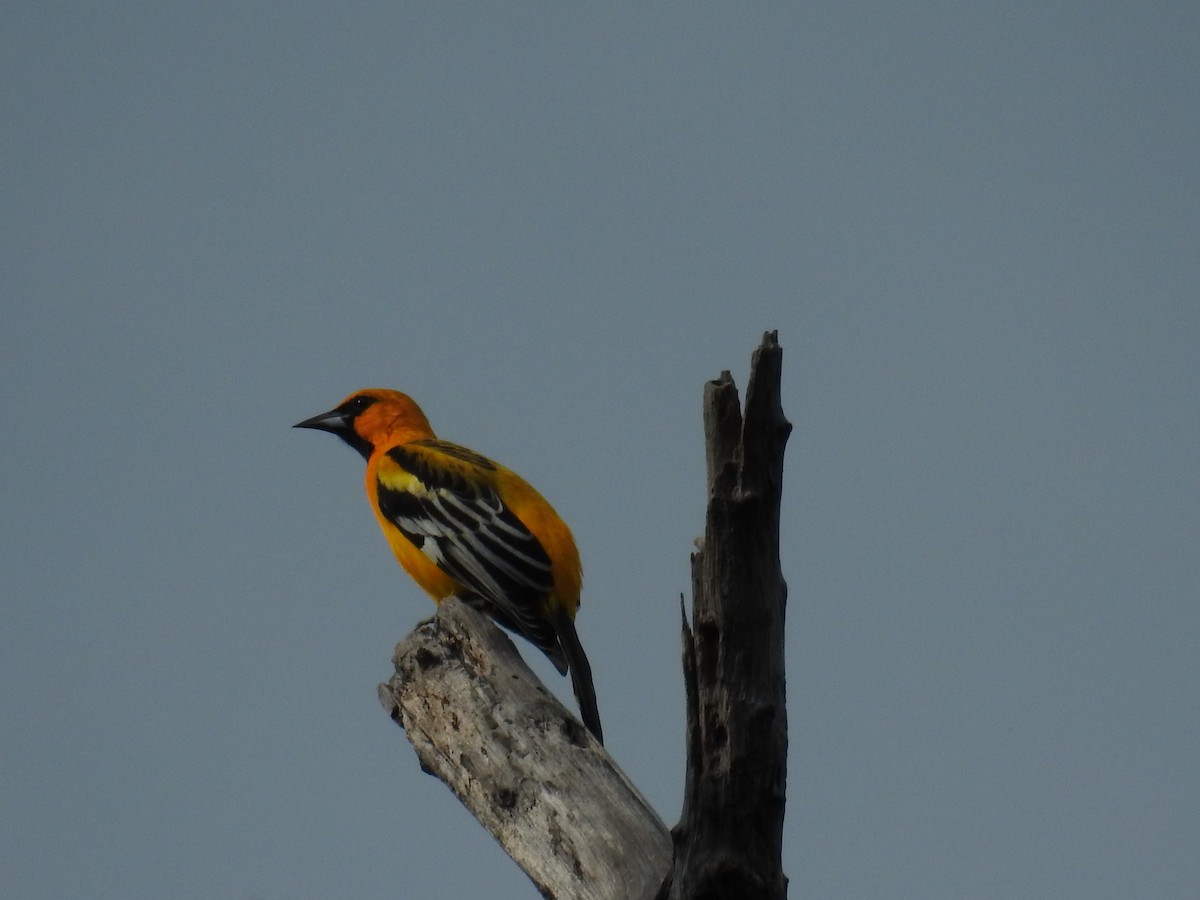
{"x": 370, "y": 417}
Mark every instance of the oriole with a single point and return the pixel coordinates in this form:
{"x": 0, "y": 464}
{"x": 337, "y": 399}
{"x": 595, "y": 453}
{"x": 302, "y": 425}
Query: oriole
{"x": 463, "y": 525}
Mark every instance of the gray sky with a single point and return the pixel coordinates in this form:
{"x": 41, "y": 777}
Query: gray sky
{"x": 975, "y": 227}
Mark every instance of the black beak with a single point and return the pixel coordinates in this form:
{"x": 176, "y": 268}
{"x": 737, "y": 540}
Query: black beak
{"x": 340, "y": 422}
{"x": 334, "y": 421}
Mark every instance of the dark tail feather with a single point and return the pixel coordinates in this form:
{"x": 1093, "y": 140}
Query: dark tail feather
{"x": 581, "y": 671}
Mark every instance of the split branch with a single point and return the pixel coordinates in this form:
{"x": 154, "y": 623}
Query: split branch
{"x": 540, "y": 783}
{"x": 729, "y": 840}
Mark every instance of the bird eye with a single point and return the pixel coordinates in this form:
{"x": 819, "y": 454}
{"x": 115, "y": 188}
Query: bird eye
{"x": 355, "y": 405}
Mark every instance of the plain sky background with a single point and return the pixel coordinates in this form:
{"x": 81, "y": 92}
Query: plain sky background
{"x": 977, "y": 230}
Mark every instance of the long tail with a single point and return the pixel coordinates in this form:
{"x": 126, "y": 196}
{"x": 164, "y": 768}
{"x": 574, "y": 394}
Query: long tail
{"x": 581, "y": 671}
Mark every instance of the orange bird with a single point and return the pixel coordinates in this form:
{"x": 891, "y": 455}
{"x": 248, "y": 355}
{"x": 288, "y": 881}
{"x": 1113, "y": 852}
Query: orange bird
{"x": 463, "y": 525}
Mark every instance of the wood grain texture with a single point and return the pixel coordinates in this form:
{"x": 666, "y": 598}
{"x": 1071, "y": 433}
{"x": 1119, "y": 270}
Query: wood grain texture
{"x": 522, "y": 764}
{"x": 728, "y": 843}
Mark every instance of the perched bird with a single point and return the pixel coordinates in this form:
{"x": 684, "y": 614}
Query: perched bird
{"x": 463, "y": 525}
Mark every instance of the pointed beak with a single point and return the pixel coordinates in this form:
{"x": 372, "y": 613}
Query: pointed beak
{"x": 333, "y": 421}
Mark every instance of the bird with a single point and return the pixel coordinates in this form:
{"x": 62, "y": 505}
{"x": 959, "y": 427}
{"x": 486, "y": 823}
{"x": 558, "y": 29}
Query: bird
{"x": 463, "y": 525}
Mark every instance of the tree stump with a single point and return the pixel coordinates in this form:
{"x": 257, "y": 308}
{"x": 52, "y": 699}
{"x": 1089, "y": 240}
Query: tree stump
{"x": 533, "y": 776}
{"x": 729, "y": 840}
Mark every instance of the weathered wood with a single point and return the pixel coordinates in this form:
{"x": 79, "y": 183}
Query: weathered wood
{"x": 728, "y": 843}
{"x": 523, "y": 765}
{"x": 541, "y": 784}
